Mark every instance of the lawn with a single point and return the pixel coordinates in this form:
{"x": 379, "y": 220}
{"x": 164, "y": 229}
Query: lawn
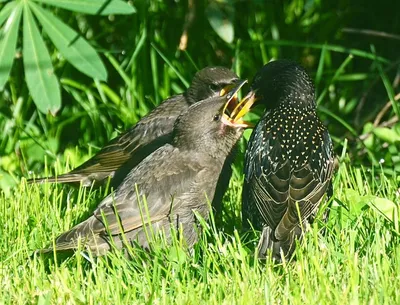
{"x": 354, "y": 259}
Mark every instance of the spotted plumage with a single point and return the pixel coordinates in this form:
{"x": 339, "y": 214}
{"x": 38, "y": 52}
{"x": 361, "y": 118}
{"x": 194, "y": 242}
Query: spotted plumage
{"x": 289, "y": 160}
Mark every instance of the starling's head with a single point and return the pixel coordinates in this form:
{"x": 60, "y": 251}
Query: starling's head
{"x": 211, "y": 82}
{"x": 283, "y": 82}
{"x": 210, "y": 126}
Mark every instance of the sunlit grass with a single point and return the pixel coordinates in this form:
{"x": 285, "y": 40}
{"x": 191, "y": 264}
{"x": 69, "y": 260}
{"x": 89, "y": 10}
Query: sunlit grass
{"x": 356, "y": 259}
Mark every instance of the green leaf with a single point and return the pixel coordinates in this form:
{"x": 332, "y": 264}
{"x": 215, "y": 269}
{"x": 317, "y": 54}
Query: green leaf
{"x": 71, "y": 45}
{"x": 42, "y": 83}
{"x": 387, "y": 134}
{"x": 358, "y": 203}
{"x": 6, "y": 11}
{"x": 93, "y": 7}
{"x": 354, "y": 201}
{"x": 368, "y": 127}
{"x": 397, "y": 128}
{"x": 8, "y": 40}
{"x": 385, "y": 206}
{"x": 220, "y": 18}
{"x": 370, "y": 140}
{"x": 6, "y": 182}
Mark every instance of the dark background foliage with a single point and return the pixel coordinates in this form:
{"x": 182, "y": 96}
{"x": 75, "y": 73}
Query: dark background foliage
{"x": 349, "y": 47}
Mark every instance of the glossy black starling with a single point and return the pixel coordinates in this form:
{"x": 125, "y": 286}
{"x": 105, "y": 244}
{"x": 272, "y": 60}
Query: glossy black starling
{"x": 176, "y": 180}
{"x": 121, "y": 154}
{"x": 289, "y": 160}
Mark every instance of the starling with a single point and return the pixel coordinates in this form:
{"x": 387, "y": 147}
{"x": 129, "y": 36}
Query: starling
{"x": 124, "y": 152}
{"x": 289, "y": 160}
{"x": 176, "y": 180}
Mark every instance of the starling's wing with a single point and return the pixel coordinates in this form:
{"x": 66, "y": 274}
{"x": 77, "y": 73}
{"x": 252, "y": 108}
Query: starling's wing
{"x": 267, "y": 172}
{"x": 150, "y": 133}
{"x": 309, "y": 183}
{"x": 159, "y": 178}
{"x": 278, "y": 189}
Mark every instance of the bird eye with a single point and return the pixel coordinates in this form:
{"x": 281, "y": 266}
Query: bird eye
{"x": 214, "y": 87}
{"x": 217, "y": 117}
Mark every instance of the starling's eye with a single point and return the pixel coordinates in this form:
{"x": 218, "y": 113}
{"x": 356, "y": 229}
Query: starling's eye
{"x": 217, "y": 117}
{"x": 214, "y": 87}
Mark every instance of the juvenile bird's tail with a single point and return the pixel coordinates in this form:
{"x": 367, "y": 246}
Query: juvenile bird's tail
{"x": 82, "y": 234}
{"x": 67, "y": 178}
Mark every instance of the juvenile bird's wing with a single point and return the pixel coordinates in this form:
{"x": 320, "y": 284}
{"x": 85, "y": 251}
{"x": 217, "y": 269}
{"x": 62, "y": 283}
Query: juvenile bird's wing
{"x": 161, "y": 177}
{"x": 150, "y": 133}
{"x": 280, "y": 187}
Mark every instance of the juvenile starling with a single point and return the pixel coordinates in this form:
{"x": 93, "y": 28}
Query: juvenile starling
{"x": 124, "y": 152}
{"x": 289, "y": 160}
{"x": 176, "y": 180}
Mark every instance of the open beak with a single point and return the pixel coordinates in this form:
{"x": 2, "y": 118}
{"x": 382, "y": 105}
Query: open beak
{"x": 235, "y": 87}
{"x": 234, "y": 111}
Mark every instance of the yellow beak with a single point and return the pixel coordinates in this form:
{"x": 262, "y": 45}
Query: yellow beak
{"x": 234, "y": 117}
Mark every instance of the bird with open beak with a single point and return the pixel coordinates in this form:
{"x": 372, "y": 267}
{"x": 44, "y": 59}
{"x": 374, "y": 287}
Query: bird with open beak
{"x": 124, "y": 152}
{"x": 170, "y": 186}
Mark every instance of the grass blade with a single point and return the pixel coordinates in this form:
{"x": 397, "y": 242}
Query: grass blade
{"x": 180, "y": 76}
{"x": 329, "y": 47}
{"x": 338, "y": 72}
{"x": 388, "y": 86}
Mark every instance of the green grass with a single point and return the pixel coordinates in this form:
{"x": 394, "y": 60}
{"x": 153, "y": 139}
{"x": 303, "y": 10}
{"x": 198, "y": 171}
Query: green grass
{"x": 355, "y": 261}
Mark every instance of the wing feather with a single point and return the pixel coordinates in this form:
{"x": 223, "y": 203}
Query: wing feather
{"x": 282, "y": 182}
{"x": 125, "y": 208}
{"x": 130, "y": 148}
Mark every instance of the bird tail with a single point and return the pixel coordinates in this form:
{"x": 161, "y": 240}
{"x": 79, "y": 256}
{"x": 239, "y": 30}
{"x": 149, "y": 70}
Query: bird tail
{"x": 278, "y": 248}
{"x": 80, "y": 236}
{"x": 61, "y": 178}
{"x": 74, "y": 179}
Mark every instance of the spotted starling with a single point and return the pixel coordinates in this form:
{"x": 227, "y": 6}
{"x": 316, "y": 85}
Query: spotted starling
{"x": 289, "y": 160}
{"x": 176, "y": 181}
{"x": 123, "y": 153}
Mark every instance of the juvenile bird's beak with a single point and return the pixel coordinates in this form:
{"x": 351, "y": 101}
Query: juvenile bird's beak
{"x": 233, "y": 111}
{"x": 235, "y": 87}
{"x": 244, "y": 105}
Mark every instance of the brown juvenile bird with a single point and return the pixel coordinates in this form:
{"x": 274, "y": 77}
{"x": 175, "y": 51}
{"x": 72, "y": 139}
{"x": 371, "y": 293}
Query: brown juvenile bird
{"x": 289, "y": 160}
{"x": 124, "y": 152}
{"x": 177, "y": 180}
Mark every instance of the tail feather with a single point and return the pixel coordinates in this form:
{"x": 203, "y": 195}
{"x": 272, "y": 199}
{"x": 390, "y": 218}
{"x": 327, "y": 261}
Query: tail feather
{"x": 97, "y": 246}
{"x": 84, "y": 180}
{"x": 62, "y": 178}
{"x": 278, "y": 248}
{"x": 81, "y": 236}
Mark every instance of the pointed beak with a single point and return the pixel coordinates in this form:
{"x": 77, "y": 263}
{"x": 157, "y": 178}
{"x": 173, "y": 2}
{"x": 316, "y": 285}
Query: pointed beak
{"x": 244, "y": 105}
{"x": 235, "y": 87}
{"x": 233, "y": 111}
